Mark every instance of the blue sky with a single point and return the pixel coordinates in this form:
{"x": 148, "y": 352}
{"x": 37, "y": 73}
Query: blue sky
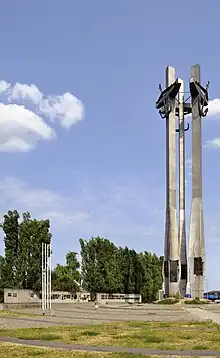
{"x": 87, "y": 149}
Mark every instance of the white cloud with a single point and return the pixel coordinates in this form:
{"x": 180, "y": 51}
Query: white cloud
{"x": 42, "y": 203}
{"x": 66, "y": 107}
{"x": 214, "y": 107}
{"x": 214, "y": 111}
{"x": 213, "y": 143}
{"x": 22, "y": 127}
{"x": 4, "y": 86}
{"x": 118, "y": 211}
{"x": 21, "y": 194}
{"x": 24, "y": 92}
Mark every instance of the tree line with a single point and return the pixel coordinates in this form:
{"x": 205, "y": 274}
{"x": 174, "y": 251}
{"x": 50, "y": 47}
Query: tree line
{"x": 104, "y": 267}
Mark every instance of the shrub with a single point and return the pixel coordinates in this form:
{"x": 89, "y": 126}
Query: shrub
{"x": 176, "y": 296}
{"x": 195, "y": 301}
{"x": 168, "y": 301}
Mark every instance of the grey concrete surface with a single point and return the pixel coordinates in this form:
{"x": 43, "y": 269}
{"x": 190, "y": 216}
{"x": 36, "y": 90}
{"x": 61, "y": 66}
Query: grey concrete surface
{"x": 182, "y": 184}
{"x": 171, "y": 245}
{"x": 204, "y": 314}
{"x": 86, "y": 314}
{"x": 196, "y": 232}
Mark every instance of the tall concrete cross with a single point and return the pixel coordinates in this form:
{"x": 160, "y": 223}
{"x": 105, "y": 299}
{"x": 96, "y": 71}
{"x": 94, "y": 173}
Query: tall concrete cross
{"x": 182, "y": 214}
{"x": 167, "y": 101}
{"x": 196, "y": 256}
{"x": 175, "y": 256}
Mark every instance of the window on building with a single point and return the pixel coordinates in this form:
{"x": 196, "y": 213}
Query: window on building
{"x": 15, "y": 294}
{"x": 32, "y": 295}
{"x": 9, "y": 294}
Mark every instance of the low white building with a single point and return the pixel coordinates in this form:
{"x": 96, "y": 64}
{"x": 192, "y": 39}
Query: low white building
{"x": 17, "y": 296}
{"x": 103, "y": 298}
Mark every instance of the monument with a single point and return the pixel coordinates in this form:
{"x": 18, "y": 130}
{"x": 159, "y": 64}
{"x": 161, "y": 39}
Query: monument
{"x": 182, "y": 214}
{"x": 167, "y": 106}
{"x": 175, "y": 271}
{"x": 196, "y": 260}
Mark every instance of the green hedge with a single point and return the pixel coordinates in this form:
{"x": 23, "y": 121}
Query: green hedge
{"x": 195, "y": 301}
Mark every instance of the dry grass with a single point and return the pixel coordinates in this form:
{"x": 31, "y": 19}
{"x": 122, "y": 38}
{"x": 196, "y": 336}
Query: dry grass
{"x": 128, "y": 334}
{"x": 18, "y": 351}
{"x": 10, "y": 313}
{"x": 174, "y": 325}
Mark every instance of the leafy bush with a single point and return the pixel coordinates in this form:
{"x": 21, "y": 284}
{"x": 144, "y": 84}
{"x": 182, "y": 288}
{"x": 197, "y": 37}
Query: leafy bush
{"x": 176, "y": 296}
{"x": 196, "y": 301}
{"x": 168, "y": 301}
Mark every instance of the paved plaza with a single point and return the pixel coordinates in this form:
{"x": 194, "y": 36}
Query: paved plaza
{"x": 86, "y": 314}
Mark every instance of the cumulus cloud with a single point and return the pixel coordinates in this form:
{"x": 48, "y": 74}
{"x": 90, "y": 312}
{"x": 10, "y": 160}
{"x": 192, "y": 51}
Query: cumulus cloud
{"x": 67, "y": 108}
{"x": 214, "y": 112}
{"x": 22, "y": 127}
{"x": 214, "y": 107}
{"x": 213, "y": 143}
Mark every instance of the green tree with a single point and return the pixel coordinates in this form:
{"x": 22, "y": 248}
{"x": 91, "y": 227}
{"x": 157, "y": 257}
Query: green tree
{"x": 23, "y": 247}
{"x": 2, "y": 278}
{"x": 65, "y": 278}
{"x": 129, "y": 268}
{"x": 2, "y": 272}
{"x": 106, "y": 268}
{"x": 39, "y": 233}
{"x": 151, "y": 275}
{"x": 100, "y": 266}
{"x": 24, "y": 251}
{"x": 10, "y": 227}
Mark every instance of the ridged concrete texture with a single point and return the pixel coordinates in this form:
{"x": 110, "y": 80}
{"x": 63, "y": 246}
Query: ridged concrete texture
{"x": 171, "y": 249}
{"x": 196, "y": 257}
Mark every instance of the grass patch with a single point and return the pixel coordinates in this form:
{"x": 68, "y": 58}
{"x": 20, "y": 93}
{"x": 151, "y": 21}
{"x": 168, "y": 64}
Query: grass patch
{"x": 128, "y": 334}
{"x": 50, "y": 337}
{"x": 196, "y": 301}
{"x": 90, "y": 333}
{"x": 170, "y": 325}
{"x": 8, "y": 313}
{"x": 199, "y": 347}
{"x": 17, "y": 351}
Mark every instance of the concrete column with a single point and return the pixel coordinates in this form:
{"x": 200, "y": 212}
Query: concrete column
{"x": 171, "y": 247}
{"x": 182, "y": 217}
{"x": 196, "y": 240}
